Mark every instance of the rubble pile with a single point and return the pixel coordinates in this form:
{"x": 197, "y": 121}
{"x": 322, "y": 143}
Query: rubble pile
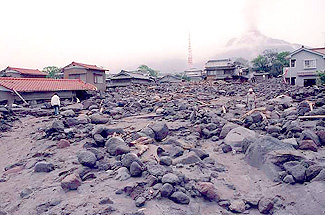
{"x": 169, "y": 144}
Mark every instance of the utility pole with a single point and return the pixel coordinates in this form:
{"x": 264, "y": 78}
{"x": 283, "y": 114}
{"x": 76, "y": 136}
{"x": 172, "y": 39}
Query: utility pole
{"x": 190, "y": 59}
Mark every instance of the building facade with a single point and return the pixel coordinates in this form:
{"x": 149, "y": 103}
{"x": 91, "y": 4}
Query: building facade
{"x": 87, "y": 73}
{"x": 304, "y": 65}
{"x": 219, "y": 69}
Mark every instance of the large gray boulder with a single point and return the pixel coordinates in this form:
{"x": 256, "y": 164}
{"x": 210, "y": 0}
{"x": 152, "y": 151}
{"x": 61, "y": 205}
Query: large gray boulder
{"x": 116, "y": 146}
{"x": 87, "y": 158}
{"x": 226, "y": 129}
{"x": 236, "y": 136}
{"x": 160, "y": 129}
{"x": 99, "y": 119}
{"x": 257, "y": 151}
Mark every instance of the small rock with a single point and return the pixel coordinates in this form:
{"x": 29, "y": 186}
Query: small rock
{"x": 63, "y": 143}
{"x": 24, "y": 194}
{"x": 237, "y": 206}
{"x": 106, "y": 201}
{"x": 116, "y": 146}
{"x": 71, "y": 182}
{"x": 320, "y": 176}
{"x": 87, "y": 158}
{"x": 99, "y": 139}
{"x": 166, "y": 190}
{"x": 89, "y": 175}
{"x": 140, "y": 201}
{"x": 135, "y": 169}
{"x": 180, "y": 198}
{"x": 122, "y": 174}
{"x": 202, "y": 154}
{"x": 129, "y": 158}
{"x": 188, "y": 158}
{"x": 289, "y": 179}
{"x": 44, "y": 167}
{"x": 265, "y": 205}
{"x": 226, "y": 148}
{"x": 313, "y": 171}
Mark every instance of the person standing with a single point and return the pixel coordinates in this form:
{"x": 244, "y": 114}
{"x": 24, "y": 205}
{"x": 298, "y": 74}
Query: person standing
{"x": 251, "y": 99}
{"x": 55, "y": 102}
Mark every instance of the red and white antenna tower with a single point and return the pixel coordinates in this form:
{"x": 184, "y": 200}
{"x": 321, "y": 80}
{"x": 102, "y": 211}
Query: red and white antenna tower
{"x": 189, "y": 60}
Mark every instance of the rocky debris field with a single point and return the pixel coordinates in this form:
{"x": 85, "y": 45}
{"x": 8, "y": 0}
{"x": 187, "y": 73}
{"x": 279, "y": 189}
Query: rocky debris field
{"x": 190, "y": 148}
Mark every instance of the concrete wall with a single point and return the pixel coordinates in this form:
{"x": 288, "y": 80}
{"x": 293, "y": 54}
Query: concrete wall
{"x": 299, "y": 67}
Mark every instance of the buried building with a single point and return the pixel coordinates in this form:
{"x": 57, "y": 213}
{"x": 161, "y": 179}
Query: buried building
{"x": 33, "y": 89}
{"x": 126, "y": 78}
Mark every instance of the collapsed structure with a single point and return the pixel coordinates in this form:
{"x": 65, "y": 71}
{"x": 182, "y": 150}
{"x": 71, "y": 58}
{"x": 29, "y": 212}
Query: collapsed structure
{"x": 28, "y": 89}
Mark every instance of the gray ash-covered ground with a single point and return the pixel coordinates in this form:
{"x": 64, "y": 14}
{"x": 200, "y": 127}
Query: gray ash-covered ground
{"x": 188, "y": 148}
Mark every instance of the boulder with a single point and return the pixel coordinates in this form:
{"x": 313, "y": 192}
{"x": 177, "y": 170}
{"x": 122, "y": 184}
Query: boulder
{"x": 71, "y": 182}
{"x": 188, "y": 158}
{"x": 313, "y": 171}
{"x": 166, "y": 160}
{"x": 265, "y": 205}
{"x": 135, "y": 169}
{"x": 116, "y": 146}
{"x": 149, "y": 132}
{"x": 289, "y": 179}
{"x": 303, "y": 108}
{"x": 99, "y": 139}
{"x": 281, "y": 100}
{"x": 226, "y": 148}
{"x": 236, "y": 136}
{"x": 63, "y": 143}
{"x": 140, "y": 201}
{"x": 180, "y": 198}
{"x": 166, "y": 190}
{"x": 106, "y": 131}
{"x": 170, "y": 178}
{"x": 160, "y": 129}
{"x": 99, "y": 119}
{"x": 87, "y": 158}
{"x": 202, "y": 154}
{"x": 43, "y": 167}
{"x": 297, "y": 170}
{"x": 68, "y": 113}
{"x": 308, "y": 145}
{"x": 208, "y": 190}
{"x": 226, "y": 129}
{"x": 310, "y": 135}
{"x": 257, "y": 151}
{"x": 129, "y": 158}
{"x": 75, "y": 107}
{"x": 320, "y": 176}
{"x": 321, "y": 136}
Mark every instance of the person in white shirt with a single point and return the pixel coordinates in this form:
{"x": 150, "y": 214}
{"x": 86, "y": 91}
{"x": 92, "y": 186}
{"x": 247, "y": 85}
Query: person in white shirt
{"x": 55, "y": 102}
{"x": 251, "y": 99}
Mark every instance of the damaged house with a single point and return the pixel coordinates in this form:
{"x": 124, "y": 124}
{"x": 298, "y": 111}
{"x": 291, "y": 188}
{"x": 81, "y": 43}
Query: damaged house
{"x": 126, "y": 78}
{"x": 219, "y": 69}
{"x": 194, "y": 74}
{"x": 91, "y": 74}
{"x": 170, "y": 79}
{"x": 22, "y": 73}
{"x": 33, "y": 89}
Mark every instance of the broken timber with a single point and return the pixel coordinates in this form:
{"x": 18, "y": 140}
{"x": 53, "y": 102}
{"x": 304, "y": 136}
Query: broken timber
{"x": 312, "y": 117}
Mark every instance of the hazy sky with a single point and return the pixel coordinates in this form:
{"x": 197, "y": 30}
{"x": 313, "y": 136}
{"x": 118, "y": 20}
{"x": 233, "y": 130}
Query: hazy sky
{"x": 124, "y": 34}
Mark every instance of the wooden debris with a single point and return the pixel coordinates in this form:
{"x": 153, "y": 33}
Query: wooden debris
{"x": 312, "y": 117}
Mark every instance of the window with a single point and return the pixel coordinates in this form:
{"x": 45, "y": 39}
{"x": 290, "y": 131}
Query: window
{"x": 98, "y": 79}
{"x": 309, "y": 64}
{"x": 293, "y": 63}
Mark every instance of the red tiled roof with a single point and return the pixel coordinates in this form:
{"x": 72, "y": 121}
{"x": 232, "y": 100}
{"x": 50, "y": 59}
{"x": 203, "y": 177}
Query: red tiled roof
{"x": 87, "y": 66}
{"x": 27, "y": 71}
{"x": 320, "y": 50}
{"x": 44, "y": 84}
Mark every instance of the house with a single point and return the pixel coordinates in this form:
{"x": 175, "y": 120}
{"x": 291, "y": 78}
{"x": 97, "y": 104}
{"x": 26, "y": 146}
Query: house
{"x": 194, "y": 74}
{"x": 219, "y": 69}
{"x": 29, "y": 89}
{"x": 91, "y": 74}
{"x": 126, "y": 78}
{"x": 304, "y": 64}
{"x": 22, "y": 73}
{"x": 170, "y": 79}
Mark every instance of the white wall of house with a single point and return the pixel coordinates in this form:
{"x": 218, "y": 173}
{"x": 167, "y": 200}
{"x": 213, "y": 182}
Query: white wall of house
{"x": 305, "y": 66}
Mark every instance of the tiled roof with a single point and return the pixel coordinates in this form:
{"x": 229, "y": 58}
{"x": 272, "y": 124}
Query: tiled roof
{"x": 44, "y": 84}
{"x": 87, "y": 66}
{"x": 27, "y": 71}
{"x": 320, "y": 50}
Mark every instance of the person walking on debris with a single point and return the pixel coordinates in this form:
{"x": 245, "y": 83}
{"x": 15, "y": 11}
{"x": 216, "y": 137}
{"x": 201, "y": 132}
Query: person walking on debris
{"x": 251, "y": 99}
{"x": 55, "y": 102}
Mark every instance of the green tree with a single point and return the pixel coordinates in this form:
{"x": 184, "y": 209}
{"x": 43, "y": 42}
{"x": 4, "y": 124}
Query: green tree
{"x": 321, "y": 77}
{"x": 148, "y": 70}
{"x": 271, "y": 61}
{"x": 52, "y": 71}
